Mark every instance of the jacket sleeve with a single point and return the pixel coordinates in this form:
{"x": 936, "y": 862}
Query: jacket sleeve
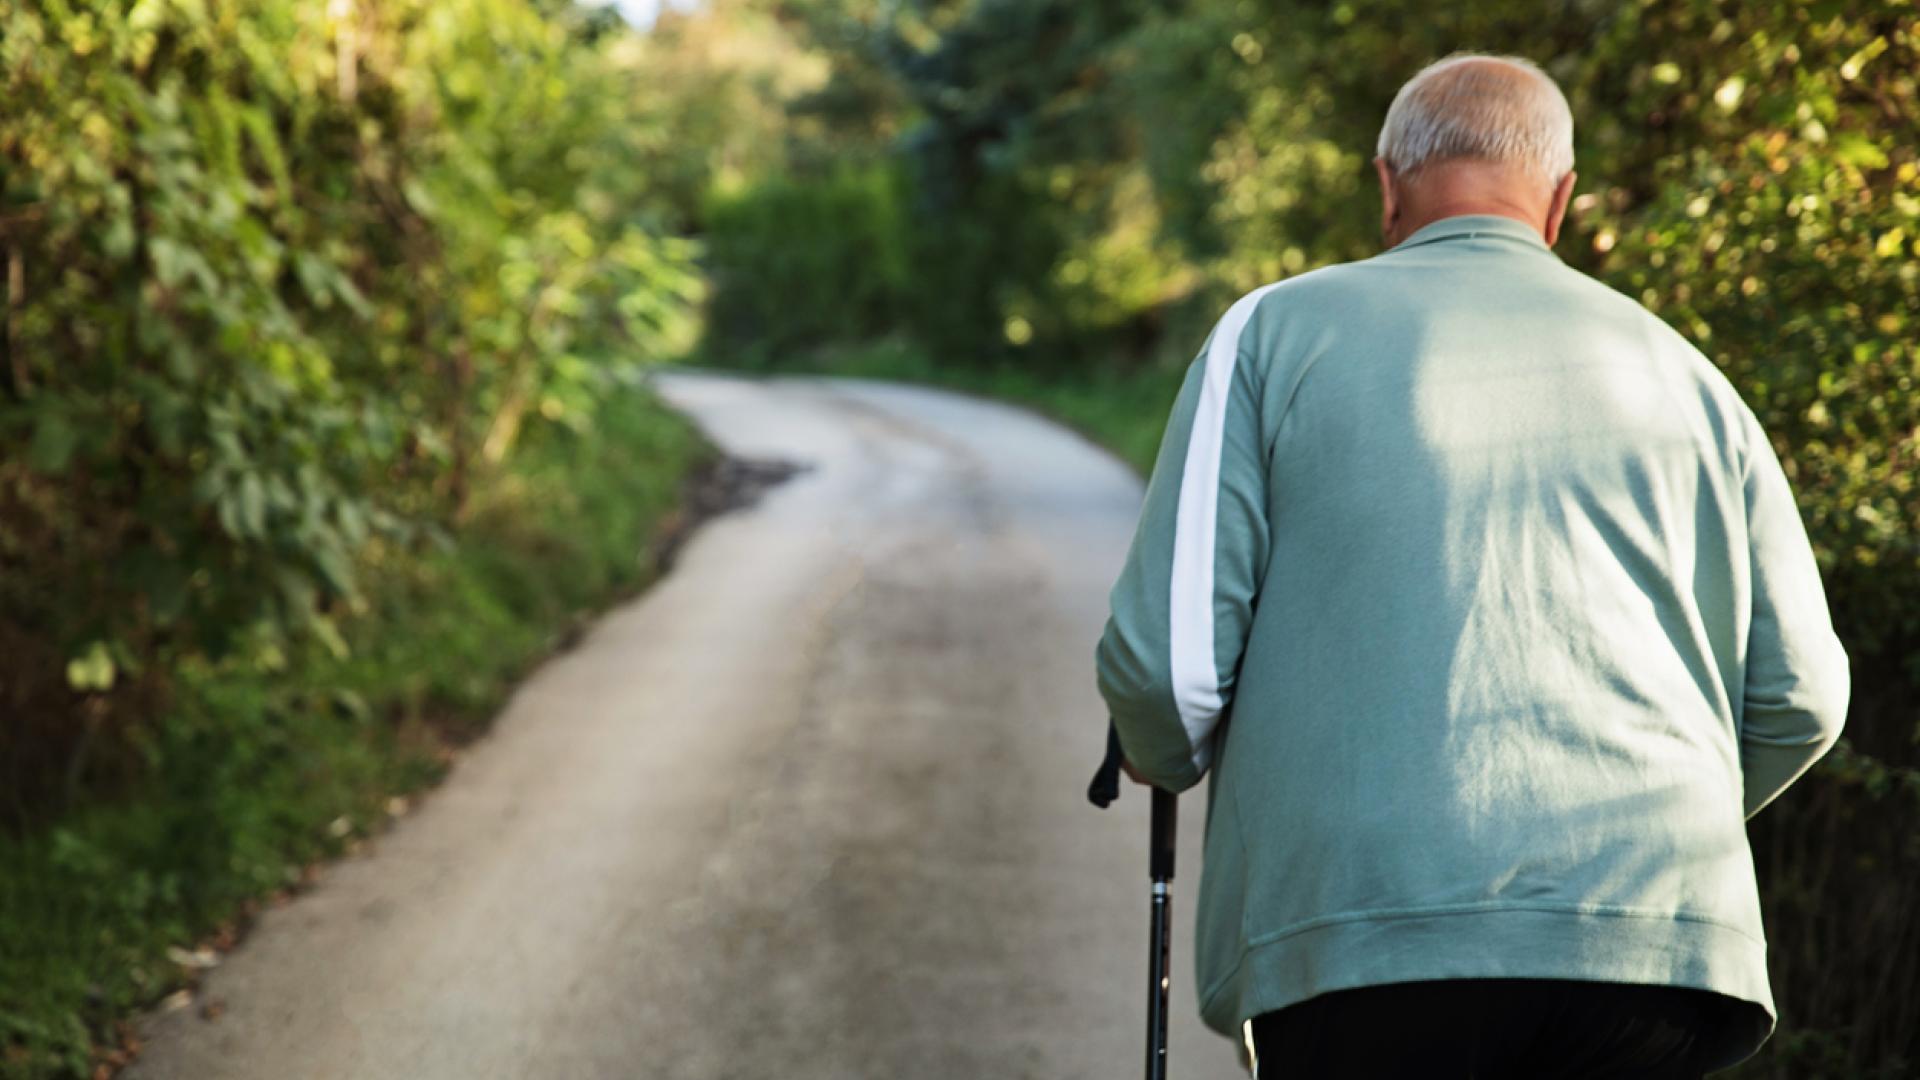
{"x": 1797, "y": 681}
{"x": 1183, "y": 604}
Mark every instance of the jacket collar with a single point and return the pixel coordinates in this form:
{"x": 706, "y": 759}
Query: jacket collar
{"x": 1473, "y": 226}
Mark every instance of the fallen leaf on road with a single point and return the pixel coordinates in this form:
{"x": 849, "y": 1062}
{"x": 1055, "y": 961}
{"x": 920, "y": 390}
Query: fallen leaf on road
{"x": 199, "y": 959}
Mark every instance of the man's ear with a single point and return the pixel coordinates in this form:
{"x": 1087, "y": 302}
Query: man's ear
{"x": 1389, "y": 202}
{"x": 1557, "y": 210}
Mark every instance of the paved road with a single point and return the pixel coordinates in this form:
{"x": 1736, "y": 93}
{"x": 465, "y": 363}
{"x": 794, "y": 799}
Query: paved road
{"x": 811, "y": 808}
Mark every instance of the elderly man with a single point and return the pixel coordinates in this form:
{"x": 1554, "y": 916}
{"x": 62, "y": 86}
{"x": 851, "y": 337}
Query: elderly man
{"x": 1484, "y": 598}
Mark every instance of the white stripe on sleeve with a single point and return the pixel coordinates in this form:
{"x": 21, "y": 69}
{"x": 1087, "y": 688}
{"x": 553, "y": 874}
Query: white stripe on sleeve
{"x": 1196, "y": 679}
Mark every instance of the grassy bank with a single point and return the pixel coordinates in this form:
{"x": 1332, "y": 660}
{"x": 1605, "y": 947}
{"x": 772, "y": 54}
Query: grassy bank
{"x": 256, "y": 774}
{"x": 1123, "y": 411}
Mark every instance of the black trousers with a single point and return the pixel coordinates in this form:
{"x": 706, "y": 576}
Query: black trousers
{"x": 1496, "y": 1029}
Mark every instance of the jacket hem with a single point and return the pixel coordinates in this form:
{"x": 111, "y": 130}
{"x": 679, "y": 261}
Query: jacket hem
{"x": 1592, "y": 945}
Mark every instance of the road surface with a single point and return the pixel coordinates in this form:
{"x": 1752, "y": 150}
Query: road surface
{"x": 810, "y": 808}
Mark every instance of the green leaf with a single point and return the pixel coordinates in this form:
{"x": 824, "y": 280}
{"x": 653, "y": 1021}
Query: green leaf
{"x": 167, "y": 595}
{"x": 335, "y": 568}
{"x": 54, "y": 440}
{"x": 253, "y": 505}
{"x": 353, "y": 521}
{"x": 92, "y": 670}
{"x": 1859, "y": 151}
{"x": 329, "y": 635}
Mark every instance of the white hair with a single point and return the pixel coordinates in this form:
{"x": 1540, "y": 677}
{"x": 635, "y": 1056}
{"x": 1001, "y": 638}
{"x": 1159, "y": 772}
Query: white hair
{"x": 1478, "y": 107}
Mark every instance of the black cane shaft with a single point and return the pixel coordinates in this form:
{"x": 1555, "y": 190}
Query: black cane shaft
{"x": 1160, "y": 865}
{"x": 1157, "y": 992}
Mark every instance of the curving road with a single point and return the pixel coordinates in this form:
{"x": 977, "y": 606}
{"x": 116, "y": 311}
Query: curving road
{"x": 810, "y": 808}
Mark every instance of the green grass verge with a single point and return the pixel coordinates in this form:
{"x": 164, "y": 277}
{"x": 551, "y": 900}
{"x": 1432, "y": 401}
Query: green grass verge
{"x": 1124, "y": 411}
{"x": 254, "y": 775}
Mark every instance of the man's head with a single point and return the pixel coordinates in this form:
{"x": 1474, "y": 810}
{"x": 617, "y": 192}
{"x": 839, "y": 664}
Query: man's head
{"x": 1476, "y": 134}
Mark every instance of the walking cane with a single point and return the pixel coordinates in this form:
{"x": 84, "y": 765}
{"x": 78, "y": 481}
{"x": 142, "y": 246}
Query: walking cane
{"x": 1104, "y": 789}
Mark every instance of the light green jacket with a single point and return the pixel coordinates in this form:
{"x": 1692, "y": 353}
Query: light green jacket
{"x": 1485, "y": 600}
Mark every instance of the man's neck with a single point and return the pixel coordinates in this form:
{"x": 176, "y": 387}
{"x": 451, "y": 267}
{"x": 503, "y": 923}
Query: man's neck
{"x": 1457, "y": 188}
{"x": 1530, "y": 216}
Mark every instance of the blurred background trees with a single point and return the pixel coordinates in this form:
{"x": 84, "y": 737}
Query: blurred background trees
{"x": 302, "y": 295}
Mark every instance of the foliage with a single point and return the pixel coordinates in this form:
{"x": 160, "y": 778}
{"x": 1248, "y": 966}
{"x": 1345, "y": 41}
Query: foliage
{"x": 712, "y": 113}
{"x": 255, "y": 774}
{"x": 1030, "y": 233}
{"x": 285, "y": 280}
{"x": 800, "y": 264}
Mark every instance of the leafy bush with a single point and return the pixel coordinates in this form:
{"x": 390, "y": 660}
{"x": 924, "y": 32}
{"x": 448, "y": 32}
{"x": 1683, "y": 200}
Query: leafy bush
{"x": 798, "y": 263}
{"x": 285, "y": 280}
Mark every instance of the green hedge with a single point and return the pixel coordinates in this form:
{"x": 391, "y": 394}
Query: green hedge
{"x": 799, "y": 263}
